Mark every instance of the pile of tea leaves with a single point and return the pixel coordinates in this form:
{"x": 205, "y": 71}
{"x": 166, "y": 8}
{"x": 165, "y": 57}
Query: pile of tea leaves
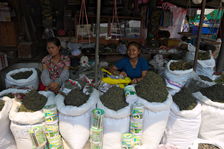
{"x": 76, "y": 98}
{"x": 220, "y": 80}
{"x": 2, "y": 103}
{"x": 204, "y": 55}
{"x": 32, "y": 101}
{"x": 205, "y": 78}
{"x": 207, "y": 146}
{"x": 22, "y": 75}
{"x": 152, "y": 88}
{"x": 195, "y": 85}
{"x": 114, "y": 98}
{"x": 181, "y": 65}
{"x": 184, "y": 99}
{"x": 10, "y": 95}
{"x": 215, "y": 92}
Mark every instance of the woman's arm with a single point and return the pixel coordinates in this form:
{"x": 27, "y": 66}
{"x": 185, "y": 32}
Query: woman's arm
{"x": 136, "y": 80}
{"x": 45, "y": 76}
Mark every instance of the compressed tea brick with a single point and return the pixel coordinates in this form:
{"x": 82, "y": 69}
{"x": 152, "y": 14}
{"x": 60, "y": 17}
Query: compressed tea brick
{"x": 204, "y": 55}
{"x": 2, "y": 103}
{"x": 205, "y": 78}
{"x": 215, "y": 93}
{"x": 32, "y": 101}
{"x": 220, "y": 80}
{"x": 181, "y": 65}
{"x": 22, "y": 75}
{"x": 184, "y": 99}
{"x": 114, "y": 98}
{"x": 152, "y": 88}
{"x": 207, "y": 146}
{"x": 76, "y": 98}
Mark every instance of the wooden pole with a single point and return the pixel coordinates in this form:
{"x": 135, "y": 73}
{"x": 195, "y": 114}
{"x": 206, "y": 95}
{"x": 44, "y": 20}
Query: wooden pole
{"x": 97, "y": 40}
{"x": 199, "y": 33}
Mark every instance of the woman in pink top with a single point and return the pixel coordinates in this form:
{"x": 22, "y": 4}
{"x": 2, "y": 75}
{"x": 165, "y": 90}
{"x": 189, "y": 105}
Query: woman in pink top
{"x": 55, "y": 66}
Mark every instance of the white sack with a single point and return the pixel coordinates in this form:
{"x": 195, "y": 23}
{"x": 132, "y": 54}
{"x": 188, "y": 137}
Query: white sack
{"x": 6, "y": 139}
{"x": 176, "y": 79}
{"x": 115, "y": 123}
{"x": 74, "y": 122}
{"x": 206, "y": 67}
{"x": 212, "y": 121}
{"x": 182, "y": 127}
{"x": 21, "y": 122}
{"x": 31, "y": 82}
{"x": 190, "y": 53}
{"x": 154, "y": 121}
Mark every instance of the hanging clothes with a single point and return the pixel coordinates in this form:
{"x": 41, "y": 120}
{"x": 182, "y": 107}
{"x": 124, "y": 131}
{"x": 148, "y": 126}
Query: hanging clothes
{"x": 167, "y": 18}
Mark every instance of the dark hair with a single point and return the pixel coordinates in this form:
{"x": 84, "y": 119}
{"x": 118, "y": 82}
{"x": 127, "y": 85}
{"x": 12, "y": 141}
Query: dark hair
{"x": 55, "y": 41}
{"x": 133, "y": 43}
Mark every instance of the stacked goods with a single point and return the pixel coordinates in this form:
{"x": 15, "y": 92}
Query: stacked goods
{"x": 207, "y": 146}
{"x": 152, "y": 88}
{"x": 96, "y": 130}
{"x": 185, "y": 117}
{"x": 52, "y": 128}
{"x": 184, "y": 100}
{"x": 2, "y": 103}
{"x": 76, "y": 98}
{"x": 152, "y": 93}
{"x": 74, "y": 118}
{"x": 114, "y": 99}
{"x": 204, "y": 55}
{"x": 177, "y": 73}
{"x": 32, "y": 101}
{"x": 28, "y": 126}
{"x": 212, "y": 100}
{"x": 181, "y": 65}
{"x": 7, "y": 140}
{"x": 23, "y": 77}
{"x": 116, "y": 118}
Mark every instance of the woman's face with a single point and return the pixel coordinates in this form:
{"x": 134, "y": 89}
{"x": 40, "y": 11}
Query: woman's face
{"x": 133, "y": 51}
{"x": 52, "y": 49}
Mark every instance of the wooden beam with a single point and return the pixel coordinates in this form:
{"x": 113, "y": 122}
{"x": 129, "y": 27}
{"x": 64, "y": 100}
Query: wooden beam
{"x": 199, "y": 33}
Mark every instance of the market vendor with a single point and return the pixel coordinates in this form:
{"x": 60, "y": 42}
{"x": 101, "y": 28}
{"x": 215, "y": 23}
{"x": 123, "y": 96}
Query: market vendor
{"x": 55, "y": 67}
{"x": 133, "y": 66}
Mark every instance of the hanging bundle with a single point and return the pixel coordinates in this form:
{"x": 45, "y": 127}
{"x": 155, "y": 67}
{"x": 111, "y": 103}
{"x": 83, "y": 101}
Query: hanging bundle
{"x": 115, "y": 25}
{"x": 83, "y": 30}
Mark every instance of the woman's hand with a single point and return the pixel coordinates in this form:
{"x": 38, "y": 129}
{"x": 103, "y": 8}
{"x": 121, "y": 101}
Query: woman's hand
{"x": 136, "y": 80}
{"x": 54, "y": 86}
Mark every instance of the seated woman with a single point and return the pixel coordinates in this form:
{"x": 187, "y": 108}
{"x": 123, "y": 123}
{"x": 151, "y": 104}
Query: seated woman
{"x": 55, "y": 66}
{"x": 133, "y": 66}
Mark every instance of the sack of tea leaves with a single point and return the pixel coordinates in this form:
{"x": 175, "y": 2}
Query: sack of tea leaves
{"x": 184, "y": 120}
{"x": 212, "y": 100}
{"x": 22, "y": 78}
{"x": 152, "y": 93}
{"x": 206, "y": 144}
{"x": 116, "y": 118}
{"x": 7, "y": 140}
{"x": 177, "y": 73}
{"x": 21, "y": 122}
{"x": 205, "y": 65}
{"x": 74, "y": 117}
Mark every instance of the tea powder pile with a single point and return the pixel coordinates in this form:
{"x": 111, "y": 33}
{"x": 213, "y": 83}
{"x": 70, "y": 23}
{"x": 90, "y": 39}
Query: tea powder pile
{"x": 2, "y": 103}
{"x": 205, "y": 78}
{"x": 32, "y": 101}
{"x": 207, "y": 146}
{"x": 215, "y": 93}
{"x": 114, "y": 98}
{"x": 220, "y": 80}
{"x": 185, "y": 100}
{"x": 180, "y": 65}
{"x": 22, "y": 75}
{"x": 152, "y": 88}
{"x": 76, "y": 98}
{"x": 204, "y": 55}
